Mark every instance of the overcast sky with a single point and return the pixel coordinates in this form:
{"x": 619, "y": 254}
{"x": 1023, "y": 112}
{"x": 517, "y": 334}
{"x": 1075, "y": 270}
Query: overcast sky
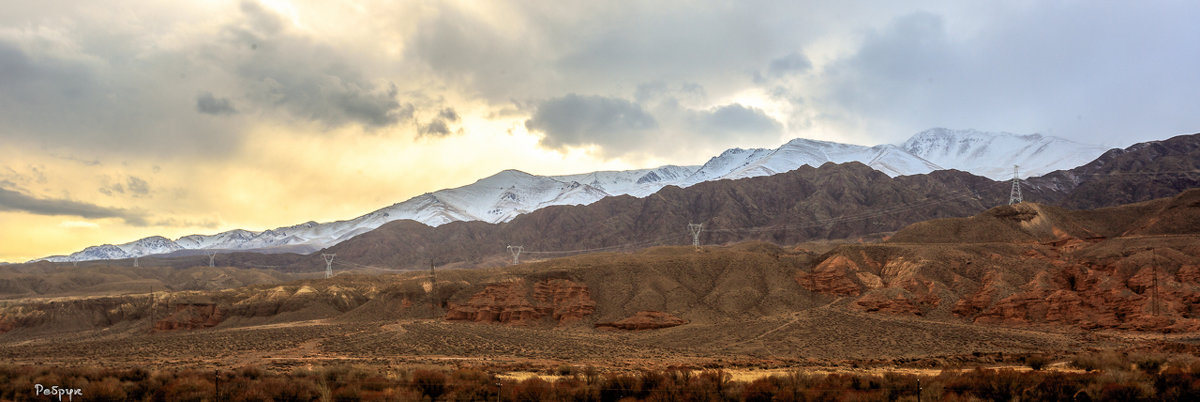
{"x": 125, "y": 119}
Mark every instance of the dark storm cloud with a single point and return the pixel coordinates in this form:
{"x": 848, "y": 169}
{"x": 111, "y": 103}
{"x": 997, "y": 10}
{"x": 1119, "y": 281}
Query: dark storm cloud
{"x": 83, "y": 99}
{"x": 437, "y": 128}
{"x": 111, "y": 189}
{"x": 95, "y": 85}
{"x": 601, "y": 47}
{"x": 308, "y": 79}
{"x": 138, "y": 186}
{"x": 11, "y": 200}
{"x": 793, "y": 63}
{"x": 449, "y": 114}
{"x": 208, "y": 104}
{"x": 468, "y": 51}
{"x": 577, "y": 120}
{"x": 737, "y": 119}
{"x": 133, "y": 185}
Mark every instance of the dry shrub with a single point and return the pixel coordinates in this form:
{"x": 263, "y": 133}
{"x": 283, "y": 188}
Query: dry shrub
{"x": 343, "y": 374}
{"x": 591, "y": 375}
{"x": 290, "y": 389}
{"x": 1102, "y": 360}
{"x": 650, "y": 381}
{"x": 532, "y": 389}
{"x": 716, "y": 381}
{"x": 1055, "y": 387}
{"x": 564, "y": 370}
{"x": 1122, "y": 392}
{"x": 134, "y": 375}
{"x": 1176, "y": 385}
{"x": 189, "y": 388}
{"x": 618, "y": 386}
{"x": 1037, "y": 362}
{"x": 471, "y": 385}
{"x": 349, "y": 393}
{"x": 108, "y": 389}
{"x": 429, "y": 382}
{"x": 761, "y": 390}
{"x": 250, "y": 372}
{"x": 1149, "y": 363}
{"x": 998, "y": 385}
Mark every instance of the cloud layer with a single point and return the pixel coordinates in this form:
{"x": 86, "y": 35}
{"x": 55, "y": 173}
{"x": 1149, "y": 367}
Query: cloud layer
{"x": 277, "y": 103}
{"x": 11, "y": 200}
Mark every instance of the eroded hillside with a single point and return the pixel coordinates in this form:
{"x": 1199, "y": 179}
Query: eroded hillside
{"x": 1015, "y": 279}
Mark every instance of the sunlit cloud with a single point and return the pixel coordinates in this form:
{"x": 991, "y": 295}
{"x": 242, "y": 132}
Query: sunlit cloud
{"x": 198, "y": 117}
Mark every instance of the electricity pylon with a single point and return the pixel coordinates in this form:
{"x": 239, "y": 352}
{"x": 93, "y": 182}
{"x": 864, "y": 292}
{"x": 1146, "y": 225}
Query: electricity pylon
{"x": 516, "y": 253}
{"x": 1014, "y": 197}
{"x": 695, "y": 229}
{"x": 328, "y": 264}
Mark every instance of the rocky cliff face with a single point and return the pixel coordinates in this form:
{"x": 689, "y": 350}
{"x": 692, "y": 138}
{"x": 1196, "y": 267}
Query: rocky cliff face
{"x": 1027, "y": 265}
{"x": 516, "y": 302}
{"x": 191, "y": 316}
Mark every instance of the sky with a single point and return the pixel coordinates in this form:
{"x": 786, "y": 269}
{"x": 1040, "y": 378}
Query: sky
{"x": 126, "y": 119}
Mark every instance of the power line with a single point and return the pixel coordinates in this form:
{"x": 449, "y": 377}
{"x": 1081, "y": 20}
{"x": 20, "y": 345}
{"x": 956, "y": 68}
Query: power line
{"x": 695, "y": 229}
{"x": 958, "y": 194}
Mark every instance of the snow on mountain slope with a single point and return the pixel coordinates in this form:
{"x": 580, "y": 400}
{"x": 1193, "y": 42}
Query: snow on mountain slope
{"x": 638, "y": 183}
{"x": 505, "y": 195}
{"x": 743, "y": 163}
{"x": 726, "y": 164}
{"x": 148, "y": 246}
{"x": 993, "y": 154}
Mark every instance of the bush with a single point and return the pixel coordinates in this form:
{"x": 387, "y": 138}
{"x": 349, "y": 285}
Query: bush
{"x": 761, "y": 390}
{"x": 564, "y": 370}
{"x": 108, "y": 389}
{"x": 189, "y": 388}
{"x": 532, "y": 389}
{"x": 1105, "y": 360}
{"x": 429, "y": 382}
{"x": 1037, "y": 362}
{"x": 1149, "y": 363}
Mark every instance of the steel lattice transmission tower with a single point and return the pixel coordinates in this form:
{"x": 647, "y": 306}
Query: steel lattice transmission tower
{"x": 695, "y": 228}
{"x": 516, "y": 252}
{"x": 1014, "y": 197}
{"x": 212, "y": 258}
{"x": 329, "y": 264}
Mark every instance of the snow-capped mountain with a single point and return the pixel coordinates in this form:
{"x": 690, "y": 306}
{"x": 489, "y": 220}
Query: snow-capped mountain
{"x": 993, "y": 155}
{"x": 742, "y": 163}
{"x": 148, "y": 246}
{"x": 638, "y": 183}
{"x": 505, "y": 195}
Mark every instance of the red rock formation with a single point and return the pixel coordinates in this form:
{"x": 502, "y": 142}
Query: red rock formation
{"x": 565, "y": 300}
{"x": 509, "y": 303}
{"x": 832, "y": 276}
{"x": 1189, "y": 274}
{"x": 191, "y": 316}
{"x": 645, "y": 320}
{"x": 897, "y": 304}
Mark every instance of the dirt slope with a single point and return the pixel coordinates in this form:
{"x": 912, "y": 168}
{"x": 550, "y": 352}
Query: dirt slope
{"x": 1033, "y": 281}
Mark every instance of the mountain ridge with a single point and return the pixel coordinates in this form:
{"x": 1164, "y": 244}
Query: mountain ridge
{"x": 510, "y": 193}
